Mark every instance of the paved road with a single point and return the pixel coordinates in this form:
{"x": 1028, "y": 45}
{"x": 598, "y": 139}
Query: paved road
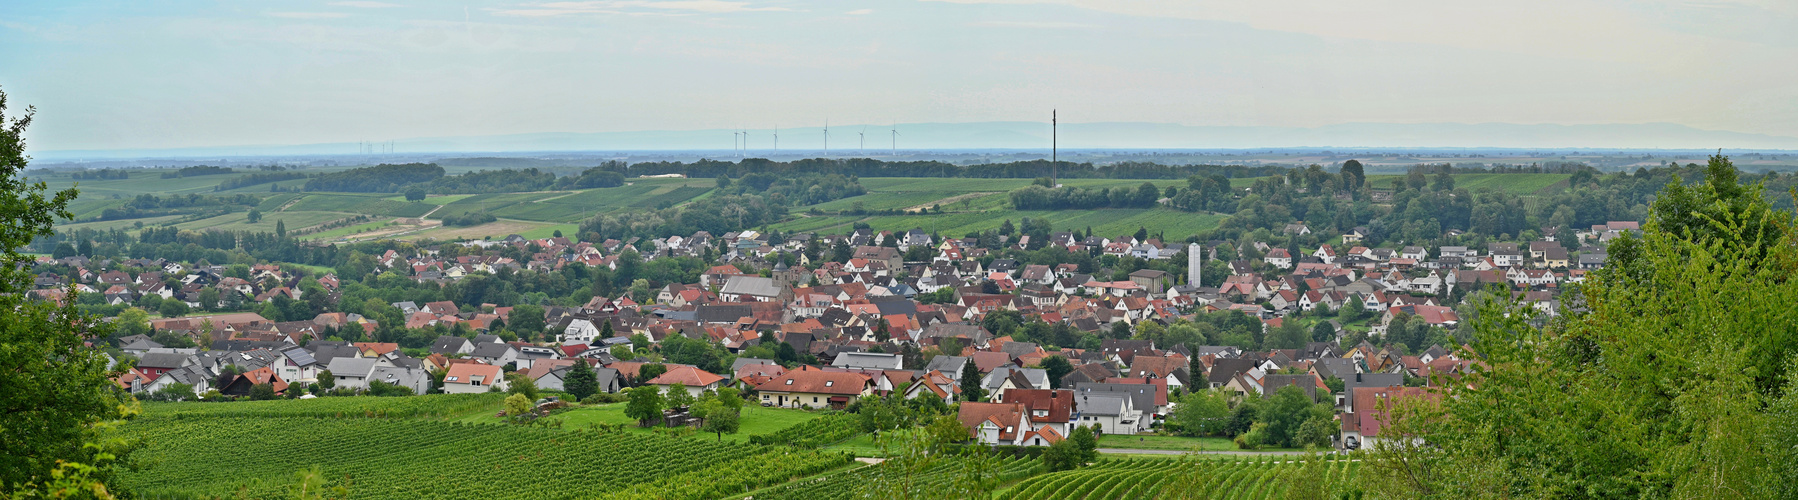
{"x": 1183, "y": 452}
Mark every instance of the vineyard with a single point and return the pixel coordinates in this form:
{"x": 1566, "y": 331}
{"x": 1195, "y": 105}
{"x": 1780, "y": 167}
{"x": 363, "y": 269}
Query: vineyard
{"x": 855, "y": 483}
{"x": 229, "y": 456}
{"x": 816, "y": 433}
{"x": 432, "y": 406}
{"x": 1261, "y": 478}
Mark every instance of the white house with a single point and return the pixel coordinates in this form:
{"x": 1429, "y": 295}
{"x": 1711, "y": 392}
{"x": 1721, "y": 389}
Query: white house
{"x": 469, "y": 378}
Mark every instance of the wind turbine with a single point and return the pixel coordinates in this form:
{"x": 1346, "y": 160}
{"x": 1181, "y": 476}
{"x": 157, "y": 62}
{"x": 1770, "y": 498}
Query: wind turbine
{"x": 895, "y": 138}
{"x": 826, "y": 137}
{"x": 776, "y": 139}
{"x": 864, "y": 140}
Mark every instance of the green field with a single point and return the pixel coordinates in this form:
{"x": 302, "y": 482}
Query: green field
{"x": 1518, "y": 184}
{"x": 371, "y": 205}
{"x": 400, "y": 458}
{"x": 755, "y": 420}
{"x": 1268, "y": 478}
{"x": 1112, "y": 221}
{"x": 240, "y": 221}
{"x": 428, "y": 447}
{"x": 1172, "y": 443}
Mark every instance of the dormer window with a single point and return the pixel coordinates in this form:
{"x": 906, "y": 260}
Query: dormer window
{"x": 829, "y": 383}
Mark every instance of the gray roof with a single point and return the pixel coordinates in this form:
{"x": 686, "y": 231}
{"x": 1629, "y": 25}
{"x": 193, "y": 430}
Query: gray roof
{"x": 1342, "y": 368}
{"x": 722, "y": 313}
{"x": 448, "y": 344}
{"x": 191, "y": 375}
{"x": 1273, "y": 383}
{"x": 164, "y": 360}
{"x": 1036, "y": 376}
{"x": 741, "y": 362}
{"x": 484, "y": 350}
{"x": 876, "y": 360}
{"x": 1371, "y": 380}
{"x": 1101, "y": 404}
{"x": 299, "y": 356}
{"x": 351, "y": 367}
{"x": 751, "y": 285}
{"x": 326, "y": 353}
{"x": 1142, "y": 396}
{"x": 137, "y": 342}
{"x": 404, "y": 377}
{"x": 490, "y": 339}
{"x": 949, "y": 365}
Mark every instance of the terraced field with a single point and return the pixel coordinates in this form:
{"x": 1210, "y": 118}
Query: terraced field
{"x": 855, "y": 483}
{"x": 1256, "y": 479}
{"x": 360, "y": 204}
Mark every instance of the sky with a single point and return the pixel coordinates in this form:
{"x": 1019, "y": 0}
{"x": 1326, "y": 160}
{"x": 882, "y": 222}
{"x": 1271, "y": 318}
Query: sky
{"x": 171, "y": 74}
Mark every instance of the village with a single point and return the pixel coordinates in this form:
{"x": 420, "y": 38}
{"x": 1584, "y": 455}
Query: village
{"x": 823, "y": 334}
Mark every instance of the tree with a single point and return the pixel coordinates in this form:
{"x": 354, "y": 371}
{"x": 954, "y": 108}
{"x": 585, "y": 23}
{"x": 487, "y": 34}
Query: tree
{"x": 1288, "y": 336}
{"x": 517, "y": 405}
{"x": 644, "y": 405}
{"x": 132, "y": 321}
{"x": 970, "y": 382}
{"x": 255, "y": 216}
{"x": 415, "y": 193}
{"x": 281, "y": 228}
{"x": 720, "y": 420}
{"x": 1682, "y": 350}
{"x": 172, "y": 308}
{"x": 945, "y": 429}
{"x": 1289, "y": 408}
{"x": 529, "y": 318}
{"x": 1323, "y": 332}
{"x": 63, "y": 250}
{"x": 262, "y": 392}
{"x": 1077, "y": 450}
{"x": 326, "y": 380}
{"x": 1057, "y": 367}
{"x": 209, "y": 298}
{"x": 650, "y": 371}
{"x": 1353, "y": 310}
{"x": 1202, "y": 412}
{"x": 677, "y": 396}
{"x": 521, "y": 384}
{"x": 1353, "y": 174}
{"x": 581, "y": 382}
{"x": 55, "y": 389}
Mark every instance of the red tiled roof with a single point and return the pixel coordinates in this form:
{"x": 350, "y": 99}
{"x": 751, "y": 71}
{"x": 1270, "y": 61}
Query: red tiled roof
{"x": 687, "y": 375}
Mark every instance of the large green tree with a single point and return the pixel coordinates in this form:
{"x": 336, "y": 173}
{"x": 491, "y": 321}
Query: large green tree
{"x": 645, "y": 405}
{"x": 581, "y": 382}
{"x": 54, "y": 391}
{"x": 1669, "y": 374}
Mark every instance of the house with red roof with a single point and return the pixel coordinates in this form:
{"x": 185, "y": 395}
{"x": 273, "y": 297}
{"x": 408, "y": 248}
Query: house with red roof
{"x": 1362, "y": 428}
{"x": 470, "y": 378}
{"x": 697, "y": 381}
{"x": 814, "y": 388}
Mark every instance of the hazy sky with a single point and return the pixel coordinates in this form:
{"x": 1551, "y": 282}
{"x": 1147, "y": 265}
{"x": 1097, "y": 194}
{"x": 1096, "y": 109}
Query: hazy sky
{"x": 136, "y": 74}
